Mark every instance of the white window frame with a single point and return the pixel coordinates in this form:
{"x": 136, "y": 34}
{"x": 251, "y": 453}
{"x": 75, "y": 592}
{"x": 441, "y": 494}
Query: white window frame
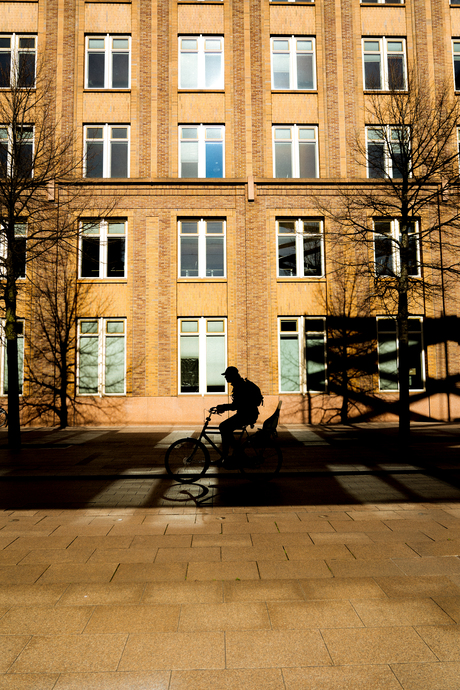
{"x": 102, "y": 336}
{"x": 108, "y": 51}
{"x": 384, "y": 137}
{"x": 394, "y": 331}
{"x": 201, "y": 139}
{"x": 201, "y": 51}
{"x": 104, "y": 235}
{"x": 292, "y": 51}
{"x": 203, "y": 331}
{"x": 298, "y": 236}
{"x": 15, "y": 50}
{"x": 6, "y": 134}
{"x": 298, "y": 1}
{"x": 300, "y": 335}
{"x": 201, "y": 235}
{"x": 383, "y": 52}
{"x": 393, "y": 237}
{"x": 295, "y": 135}
{"x": 107, "y": 139}
{"x": 3, "y": 356}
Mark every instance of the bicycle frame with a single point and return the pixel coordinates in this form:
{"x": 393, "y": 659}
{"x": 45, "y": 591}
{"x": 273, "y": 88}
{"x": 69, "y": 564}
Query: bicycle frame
{"x": 216, "y": 430}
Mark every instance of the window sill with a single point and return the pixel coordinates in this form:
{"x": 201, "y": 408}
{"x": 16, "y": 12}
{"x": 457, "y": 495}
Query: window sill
{"x": 112, "y": 281}
{"x": 183, "y": 279}
{"x": 88, "y": 90}
{"x": 312, "y": 91}
{"x": 385, "y": 92}
{"x": 201, "y": 90}
{"x": 301, "y": 279}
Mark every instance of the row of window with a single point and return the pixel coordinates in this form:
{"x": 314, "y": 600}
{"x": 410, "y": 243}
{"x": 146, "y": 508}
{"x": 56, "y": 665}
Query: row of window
{"x": 202, "y": 248}
{"x": 302, "y": 340}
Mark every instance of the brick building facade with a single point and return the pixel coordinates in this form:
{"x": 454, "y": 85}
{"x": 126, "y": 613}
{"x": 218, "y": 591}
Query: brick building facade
{"x": 215, "y": 125}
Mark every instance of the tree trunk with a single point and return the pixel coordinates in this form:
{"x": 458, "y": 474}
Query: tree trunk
{"x": 14, "y": 427}
{"x": 403, "y": 334}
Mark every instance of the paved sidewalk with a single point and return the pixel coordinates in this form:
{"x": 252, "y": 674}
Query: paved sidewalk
{"x": 342, "y": 574}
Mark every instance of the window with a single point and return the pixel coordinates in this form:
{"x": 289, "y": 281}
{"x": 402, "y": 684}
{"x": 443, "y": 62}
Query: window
{"x": 302, "y": 354}
{"x": 107, "y": 62}
{"x": 304, "y": 1}
{"x": 4, "y": 358}
{"x": 293, "y": 63}
{"x": 17, "y": 60}
{"x": 387, "y": 343}
{"x": 455, "y": 2}
{"x": 387, "y": 243}
{"x": 384, "y": 63}
{"x": 18, "y": 249}
{"x": 202, "y": 248}
{"x": 382, "y": 2}
{"x": 295, "y": 151}
{"x": 201, "y": 62}
{"x": 388, "y": 152}
{"x": 16, "y": 151}
{"x": 107, "y": 151}
{"x": 103, "y": 249}
{"x": 101, "y": 356}
{"x": 300, "y": 248}
{"x": 203, "y": 357}
{"x": 201, "y": 151}
{"x": 456, "y": 56}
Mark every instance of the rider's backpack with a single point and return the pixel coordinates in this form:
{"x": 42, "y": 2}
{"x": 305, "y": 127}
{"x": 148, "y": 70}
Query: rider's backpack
{"x": 254, "y": 394}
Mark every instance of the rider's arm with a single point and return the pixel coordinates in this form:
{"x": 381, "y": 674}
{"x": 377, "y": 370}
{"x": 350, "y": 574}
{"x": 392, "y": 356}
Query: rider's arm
{"x": 223, "y": 408}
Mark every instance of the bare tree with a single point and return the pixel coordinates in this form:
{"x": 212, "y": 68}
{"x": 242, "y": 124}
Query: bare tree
{"x": 406, "y": 216}
{"x": 37, "y": 165}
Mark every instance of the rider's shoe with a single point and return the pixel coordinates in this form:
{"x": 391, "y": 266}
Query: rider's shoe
{"x": 230, "y": 462}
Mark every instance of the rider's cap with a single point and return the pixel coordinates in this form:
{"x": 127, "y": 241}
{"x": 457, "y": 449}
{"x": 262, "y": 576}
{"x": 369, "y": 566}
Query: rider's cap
{"x": 230, "y": 370}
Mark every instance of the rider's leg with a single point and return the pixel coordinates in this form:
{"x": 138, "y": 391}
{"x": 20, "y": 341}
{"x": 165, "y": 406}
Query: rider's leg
{"x": 227, "y": 427}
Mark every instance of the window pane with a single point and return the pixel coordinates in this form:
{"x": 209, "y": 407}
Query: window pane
{"x": 289, "y": 363}
{"x": 189, "y": 364}
{"x": 307, "y": 160}
{"x": 189, "y": 71}
{"x": 88, "y": 326}
{"x": 115, "y": 327}
{"x": 19, "y": 253}
{"x": 24, "y": 160}
{"x": 5, "y": 60}
{"x": 214, "y": 227}
{"x": 283, "y": 162}
{"x": 372, "y": 72}
{"x": 189, "y": 227}
{"x": 119, "y": 162}
{"x": 376, "y": 160}
{"x": 94, "y": 159}
{"x": 115, "y": 365}
{"x": 213, "y": 71}
{"x": 88, "y": 365}
{"x": 189, "y": 159}
{"x": 214, "y": 159}
{"x": 90, "y": 257}
{"x": 189, "y": 257}
{"x": 415, "y": 361}
{"x": 96, "y": 63}
{"x": 395, "y": 72}
{"x": 312, "y": 257}
{"x": 412, "y": 258}
{"x": 116, "y": 228}
{"x": 120, "y": 70}
{"x": 26, "y": 73}
{"x": 316, "y": 369}
{"x": 214, "y": 257}
{"x": 388, "y": 363}
{"x": 287, "y": 226}
{"x": 281, "y": 71}
{"x": 115, "y": 257}
{"x": 287, "y": 256}
{"x": 457, "y": 72}
{"x": 304, "y": 71}
{"x": 215, "y": 364}
{"x": 383, "y": 256}
{"x": 20, "y": 367}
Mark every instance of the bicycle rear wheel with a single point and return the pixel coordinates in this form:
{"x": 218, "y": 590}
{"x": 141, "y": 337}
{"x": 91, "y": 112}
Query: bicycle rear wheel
{"x": 3, "y": 417}
{"x": 186, "y": 460}
{"x": 261, "y": 458}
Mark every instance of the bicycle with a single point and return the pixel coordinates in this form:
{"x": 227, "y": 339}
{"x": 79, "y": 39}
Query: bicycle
{"x": 259, "y": 455}
{"x": 3, "y": 417}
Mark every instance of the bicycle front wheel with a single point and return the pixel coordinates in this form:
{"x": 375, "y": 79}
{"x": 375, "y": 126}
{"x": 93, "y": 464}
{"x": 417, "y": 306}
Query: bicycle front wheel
{"x": 261, "y": 458}
{"x": 186, "y": 460}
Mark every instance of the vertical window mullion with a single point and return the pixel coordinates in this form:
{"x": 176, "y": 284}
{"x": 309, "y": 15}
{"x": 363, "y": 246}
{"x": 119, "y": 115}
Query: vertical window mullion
{"x": 101, "y": 356}
{"x": 103, "y": 249}
{"x": 202, "y": 248}
{"x": 108, "y": 62}
{"x": 202, "y": 354}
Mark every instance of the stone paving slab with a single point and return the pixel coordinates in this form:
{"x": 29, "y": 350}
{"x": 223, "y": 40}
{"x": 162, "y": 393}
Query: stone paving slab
{"x": 327, "y": 579}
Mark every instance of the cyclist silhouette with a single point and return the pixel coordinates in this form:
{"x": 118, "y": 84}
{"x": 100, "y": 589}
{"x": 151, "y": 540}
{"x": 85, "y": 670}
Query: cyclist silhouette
{"x": 246, "y": 397}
